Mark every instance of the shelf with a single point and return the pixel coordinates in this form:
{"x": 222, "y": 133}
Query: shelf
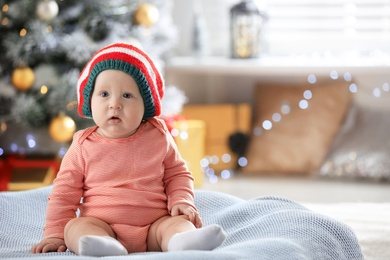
{"x": 274, "y": 66}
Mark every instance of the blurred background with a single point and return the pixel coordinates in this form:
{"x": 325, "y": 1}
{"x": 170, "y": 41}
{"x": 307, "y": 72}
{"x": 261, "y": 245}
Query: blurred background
{"x": 282, "y": 97}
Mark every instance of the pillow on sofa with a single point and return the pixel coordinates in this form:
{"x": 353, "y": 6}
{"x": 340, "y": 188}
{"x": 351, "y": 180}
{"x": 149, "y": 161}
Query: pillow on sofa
{"x": 362, "y": 147}
{"x": 298, "y": 142}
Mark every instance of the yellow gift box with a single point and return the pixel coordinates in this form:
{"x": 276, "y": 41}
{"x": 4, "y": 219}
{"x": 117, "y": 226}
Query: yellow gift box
{"x": 190, "y": 138}
{"x": 221, "y": 120}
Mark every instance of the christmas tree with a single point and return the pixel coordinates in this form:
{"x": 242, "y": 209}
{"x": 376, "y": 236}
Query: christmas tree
{"x": 43, "y": 46}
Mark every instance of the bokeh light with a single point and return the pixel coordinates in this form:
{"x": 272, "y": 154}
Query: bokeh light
{"x": 213, "y": 179}
{"x": 307, "y": 94}
{"x": 257, "y": 131}
{"x": 14, "y": 147}
{"x": 353, "y": 88}
{"x": 334, "y": 74}
{"x": 312, "y": 79}
{"x": 184, "y": 135}
{"x": 30, "y": 141}
{"x": 286, "y": 108}
{"x": 226, "y": 174}
{"x": 267, "y": 125}
{"x": 303, "y": 104}
{"x": 242, "y": 161}
{"x": 204, "y": 162}
{"x": 347, "y": 76}
{"x": 386, "y": 87}
{"x": 62, "y": 151}
{"x": 210, "y": 172}
{"x": 214, "y": 159}
{"x": 175, "y": 132}
{"x": 226, "y": 158}
{"x": 376, "y": 92}
{"x": 276, "y": 117}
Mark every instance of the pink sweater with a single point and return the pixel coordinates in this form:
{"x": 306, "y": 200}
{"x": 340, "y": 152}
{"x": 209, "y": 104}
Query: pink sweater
{"x": 133, "y": 181}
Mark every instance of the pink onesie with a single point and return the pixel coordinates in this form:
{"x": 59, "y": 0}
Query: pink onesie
{"x": 129, "y": 183}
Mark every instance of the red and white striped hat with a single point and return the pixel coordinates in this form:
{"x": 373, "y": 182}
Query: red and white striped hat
{"x": 131, "y": 60}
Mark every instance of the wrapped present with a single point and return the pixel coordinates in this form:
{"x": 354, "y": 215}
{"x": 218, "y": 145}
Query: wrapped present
{"x": 190, "y": 139}
{"x": 221, "y": 121}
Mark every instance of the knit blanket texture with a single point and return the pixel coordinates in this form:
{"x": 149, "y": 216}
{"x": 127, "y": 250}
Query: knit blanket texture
{"x": 260, "y": 228}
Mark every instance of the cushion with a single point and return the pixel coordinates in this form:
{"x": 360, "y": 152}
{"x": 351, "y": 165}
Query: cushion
{"x": 298, "y": 143}
{"x": 362, "y": 147}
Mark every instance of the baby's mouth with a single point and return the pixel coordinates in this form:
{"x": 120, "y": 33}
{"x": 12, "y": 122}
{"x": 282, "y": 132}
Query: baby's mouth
{"x": 114, "y": 119}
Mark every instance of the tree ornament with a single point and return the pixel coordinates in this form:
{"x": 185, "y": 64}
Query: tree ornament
{"x": 23, "y": 78}
{"x": 146, "y": 14}
{"x": 47, "y": 10}
{"x": 62, "y": 128}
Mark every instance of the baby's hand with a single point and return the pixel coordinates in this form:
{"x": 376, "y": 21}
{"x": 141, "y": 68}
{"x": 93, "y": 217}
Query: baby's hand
{"x": 49, "y": 245}
{"x": 190, "y": 212}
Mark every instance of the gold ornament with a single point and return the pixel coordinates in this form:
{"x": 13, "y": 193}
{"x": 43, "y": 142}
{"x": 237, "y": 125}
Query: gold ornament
{"x": 47, "y": 10}
{"x": 23, "y": 78}
{"x": 62, "y": 128}
{"x": 146, "y": 14}
{"x": 3, "y": 127}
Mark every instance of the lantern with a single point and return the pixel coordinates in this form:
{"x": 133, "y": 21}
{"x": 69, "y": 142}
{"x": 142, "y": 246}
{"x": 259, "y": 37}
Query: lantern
{"x": 246, "y": 22}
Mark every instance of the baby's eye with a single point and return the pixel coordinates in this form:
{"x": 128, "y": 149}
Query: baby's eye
{"x": 104, "y": 94}
{"x": 127, "y": 95}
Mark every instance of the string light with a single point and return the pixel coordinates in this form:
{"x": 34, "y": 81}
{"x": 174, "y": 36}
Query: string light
{"x": 226, "y": 158}
{"x": 44, "y": 89}
{"x": 257, "y": 131}
{"x": 226, "y": 174}
{"x": 307, "y": 94}
{"x": 3, "y": 127}
{"x": 23, "y": 32}
{"x": 285, "y": 108}
{"x": 376, "y": 92}
{"x": 5, "y": 8}
{"x": 386, "y": 87}
{"x": 62, "y": 151}
{"x": 5, "y": 21}
{"x": 184, "y": 135}
{"x": 303, "y": 104}
{"x": 242, "y": 161}
{"x": 334, "y": 75}
{"x": 267, "y": 125}
{"x": 347, "y": 76}
{"x": 353, "y": 88}
{"x": 312, "y": 79}
{"x": 71, "y": 105}
{"x": 276, "y": 117}
{"x": 30, "y": 141}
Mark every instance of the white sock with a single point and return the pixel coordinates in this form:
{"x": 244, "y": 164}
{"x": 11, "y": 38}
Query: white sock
{"x": 100, "y": 246}
{"x": 206, "y": 238}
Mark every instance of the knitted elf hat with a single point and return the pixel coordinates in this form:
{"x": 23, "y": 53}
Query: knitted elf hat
{"x": 131, "y": 60}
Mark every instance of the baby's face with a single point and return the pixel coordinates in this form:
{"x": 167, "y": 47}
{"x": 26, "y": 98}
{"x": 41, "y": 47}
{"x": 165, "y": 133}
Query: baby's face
{"x": 117, "y": 105}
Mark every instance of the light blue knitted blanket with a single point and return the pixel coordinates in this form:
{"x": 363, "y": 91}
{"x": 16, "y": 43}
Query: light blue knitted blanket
{"x": 261, "y": 228}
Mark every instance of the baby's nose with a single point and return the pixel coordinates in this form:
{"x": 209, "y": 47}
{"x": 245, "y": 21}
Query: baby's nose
{"x": 115, "y": 105}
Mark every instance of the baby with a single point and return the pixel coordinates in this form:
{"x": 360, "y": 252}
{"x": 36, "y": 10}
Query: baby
{"x": 137, "y": 193}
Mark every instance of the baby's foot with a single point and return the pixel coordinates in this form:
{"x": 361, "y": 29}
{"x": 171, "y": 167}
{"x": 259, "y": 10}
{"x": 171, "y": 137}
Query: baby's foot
{"x": 206, "y": 238}
{"x": 100, "y": 246}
